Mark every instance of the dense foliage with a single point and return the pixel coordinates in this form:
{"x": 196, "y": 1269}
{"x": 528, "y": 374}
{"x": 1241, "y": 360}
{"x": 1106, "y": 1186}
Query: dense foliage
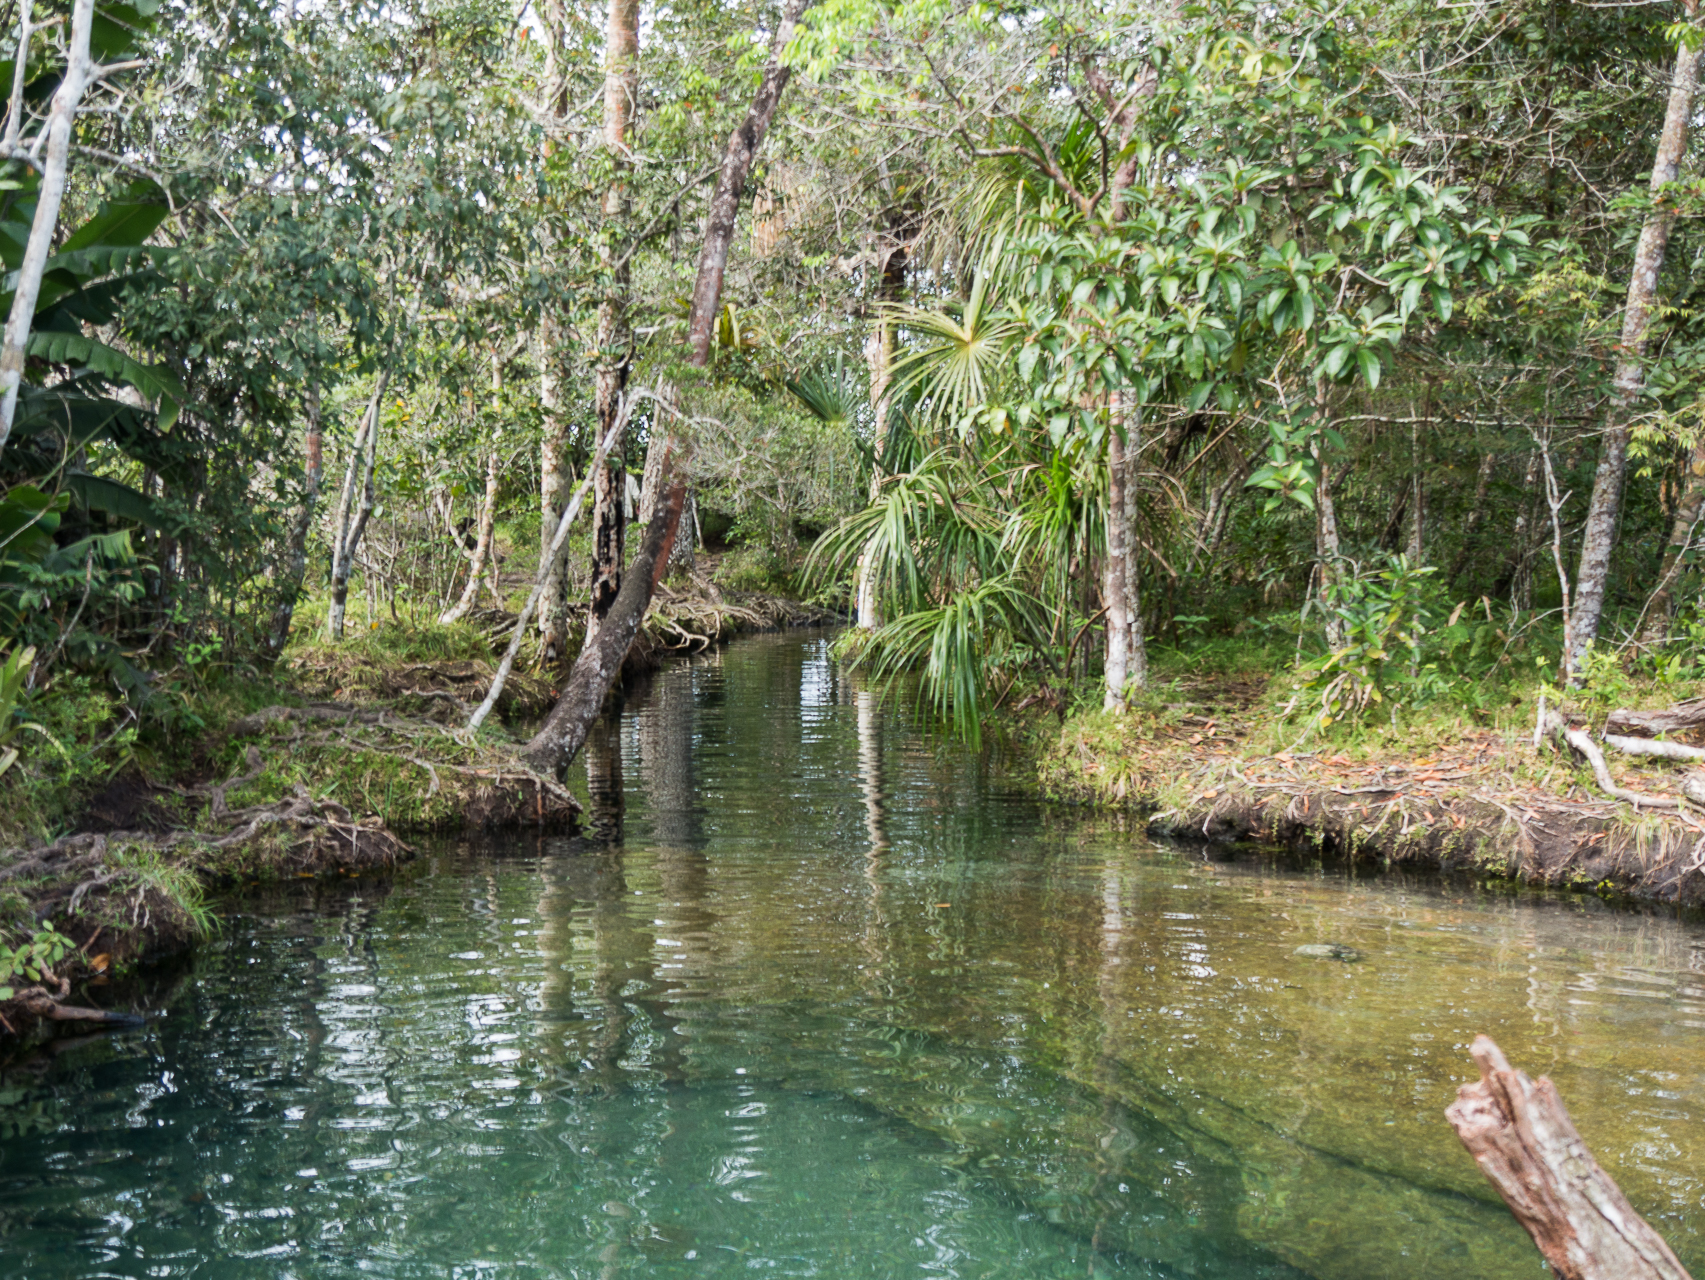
{"x": 1048, "y": 335}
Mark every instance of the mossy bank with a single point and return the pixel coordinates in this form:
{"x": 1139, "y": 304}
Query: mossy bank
{"x": 1212, "y": 759}
{"x": 328, "y": 765}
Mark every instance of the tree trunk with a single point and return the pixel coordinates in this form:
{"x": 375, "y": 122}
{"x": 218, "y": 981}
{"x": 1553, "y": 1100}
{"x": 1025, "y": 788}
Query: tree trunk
{"x": 1329, "y": 551}
{"x": 1136, "y": 647}
{"x": 56, "y": 161}
{"x": 1417, "y": 497}
{"x": 1113, "y": 591}
{"x": 347, "y": 531}
{"x": 559, "y": 538}
{"x": 1476, "y": 514}
{"x": 1520, "y": 1135}
{"x": 296, "y": 551}
{"x": 1661, "y": 605}
{"x": 737, "y": 159}
{"x": 879, "y": 357}
{"x": 564, "y": 730}
{"x": 482, "y": 547}
{"x": 1598, "y": 539}
{"x": 554, "y": 480}
{"x": 609, "y": 507}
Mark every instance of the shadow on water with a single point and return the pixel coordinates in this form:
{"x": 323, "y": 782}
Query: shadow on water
{"x": 820, "y": 999}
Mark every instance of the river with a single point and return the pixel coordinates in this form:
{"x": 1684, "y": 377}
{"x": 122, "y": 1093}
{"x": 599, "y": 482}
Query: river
{"x": 825, "y": 999}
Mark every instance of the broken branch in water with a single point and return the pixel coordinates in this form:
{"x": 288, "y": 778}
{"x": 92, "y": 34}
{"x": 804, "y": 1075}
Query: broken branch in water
{"x": 1521, "y": 1136}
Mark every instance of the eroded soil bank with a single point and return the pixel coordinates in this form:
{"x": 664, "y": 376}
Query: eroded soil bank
{"x": 1483, "y": 800}
{"x": 353, "y": 753}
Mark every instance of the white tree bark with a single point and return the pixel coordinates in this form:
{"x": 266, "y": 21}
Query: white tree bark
{"x": 482, "y": 545}
{"x": 55, "y": 163}
{"x": 1598, "y": 539}
{"x": 352, "y": 523}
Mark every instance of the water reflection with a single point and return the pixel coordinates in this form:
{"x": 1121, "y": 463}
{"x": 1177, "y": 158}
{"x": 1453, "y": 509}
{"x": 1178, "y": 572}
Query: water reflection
{"x": 825, "y": 1001}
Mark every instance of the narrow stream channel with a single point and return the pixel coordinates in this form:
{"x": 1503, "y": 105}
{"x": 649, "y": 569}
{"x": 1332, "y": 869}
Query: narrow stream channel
{"x": 832, "y": 1003}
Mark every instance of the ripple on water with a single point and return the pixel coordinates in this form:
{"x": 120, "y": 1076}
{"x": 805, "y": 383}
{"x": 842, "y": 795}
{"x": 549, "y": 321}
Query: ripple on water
{"x": 841, "y": 1006}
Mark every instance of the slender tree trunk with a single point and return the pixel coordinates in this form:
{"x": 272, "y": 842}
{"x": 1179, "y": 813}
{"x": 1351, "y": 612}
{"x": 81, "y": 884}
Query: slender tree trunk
{"x": 1113, "y": 590}
{"x": 737, "y": 159}
{"x": 609, "y": 491}
{"x": 553, "y": 491}
{"x": 1217, "y": 511}
{"x": 1136, "y": 646}
{"x": 1126, "y": 661}
{"x": 1417, "y": 496}
{"x": 296, "y": 552}
{"x": 56, "y": 161}
{"x": 1329, "y": 551}
{"x": 1476, "y": 514}
{"x": 558, "y": 538}
{"x": 1598, "y": 539}
{"x": 1661, "y": 606}
{"x": 879, "y": 357}
{"x": 482, "y": 546}
{"x": 1518, "y": 571}
{"x": 349, "y": 528}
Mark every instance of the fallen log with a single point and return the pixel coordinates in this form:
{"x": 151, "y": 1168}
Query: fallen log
{"x": 1683, "y": 717}
{"x": 1581, "y": 741}
{"x": 1520, "y": 1135}
{"x": 1651, "y": 747}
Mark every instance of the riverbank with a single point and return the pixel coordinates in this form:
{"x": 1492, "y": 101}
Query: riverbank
{"x": 1214, "y": 761}
{"x": 329, "y": 765}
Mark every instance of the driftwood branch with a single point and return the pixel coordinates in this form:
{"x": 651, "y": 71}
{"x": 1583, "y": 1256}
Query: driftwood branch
{"x": 1581, "y": 741}
{"x": 1651, "y": 747}
{"x": 1521, "y": 1136}
{"x": 1681, "y": 718}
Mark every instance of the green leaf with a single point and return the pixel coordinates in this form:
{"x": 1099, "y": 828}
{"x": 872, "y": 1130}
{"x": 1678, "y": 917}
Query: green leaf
{"x": 1370, "y": 366}
{"x": 74, "y": 348}
{"x": 97, "y": 493}
{"x": 121, "y": 223}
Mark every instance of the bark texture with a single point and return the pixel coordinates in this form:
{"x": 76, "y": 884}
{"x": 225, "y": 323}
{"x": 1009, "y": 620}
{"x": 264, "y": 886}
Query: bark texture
{"x": 1329, "y": 550}
{"x": 1520, "y": 1135}
{"x": 56, "y": 162}
{"x": 554, "y": 480}
{"x": 296, "y": 551}
{"x": 609, "y": 492}
{"x": 1115, "y": 666}
{"x": 1598, "y": 539}
{"x": 737, "y": 159}
{"x": 352, "y": 518}
{"x": 1683, "y": 717}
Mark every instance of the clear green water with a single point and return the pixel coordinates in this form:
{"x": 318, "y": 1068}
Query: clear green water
{"x": 837, "y": 1006}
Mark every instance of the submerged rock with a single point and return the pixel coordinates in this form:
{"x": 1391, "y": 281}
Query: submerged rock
{"x": 1329, "y": 951}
